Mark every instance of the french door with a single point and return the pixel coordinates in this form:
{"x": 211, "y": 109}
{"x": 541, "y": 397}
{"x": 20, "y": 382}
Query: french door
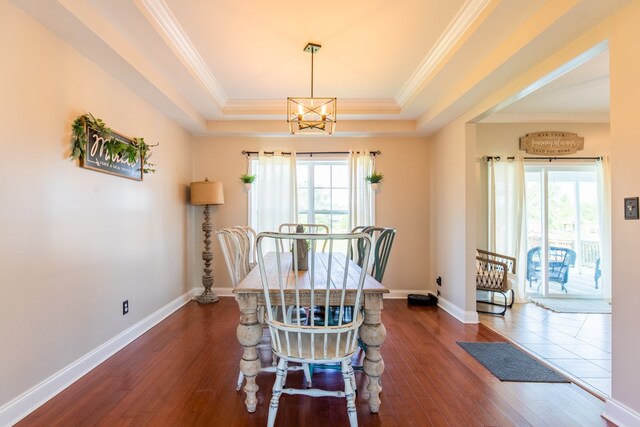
{"x": 564, "y": 236}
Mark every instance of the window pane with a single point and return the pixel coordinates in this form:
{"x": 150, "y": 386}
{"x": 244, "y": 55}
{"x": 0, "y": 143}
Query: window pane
{"x": 303, "y": 199}
{"x": 322, "y": 176}
{"x": 340, "y": 176}
{"x": 302, "y": 175}
{"x": 302, "y": 218}
{"x": 340, "y": 200}
{"x": 340, "y": 223}
{"x": 322, "y": 200}
{"x": 324, "y": 219}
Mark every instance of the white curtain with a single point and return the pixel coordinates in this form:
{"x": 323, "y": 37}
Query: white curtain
{"x": 361, "y": 197}
{"x": 603, "y": 169}
{"x": 506, "y": 227}
{"x": 275, "y": 192}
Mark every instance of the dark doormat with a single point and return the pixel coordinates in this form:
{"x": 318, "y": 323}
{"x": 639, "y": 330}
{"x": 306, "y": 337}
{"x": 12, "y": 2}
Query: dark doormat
{"x": 508, "y": 363}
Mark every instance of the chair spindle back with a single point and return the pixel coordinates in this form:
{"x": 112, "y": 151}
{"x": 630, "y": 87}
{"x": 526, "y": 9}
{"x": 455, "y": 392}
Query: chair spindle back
{"x": 285, "y": 285}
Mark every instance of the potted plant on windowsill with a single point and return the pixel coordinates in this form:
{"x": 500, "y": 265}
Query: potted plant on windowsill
{"x": 248, "y": 180}
{"x": 374, "y": 179}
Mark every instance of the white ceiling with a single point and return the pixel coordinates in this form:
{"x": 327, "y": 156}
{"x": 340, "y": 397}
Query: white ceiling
{"x": 225, "y": 67}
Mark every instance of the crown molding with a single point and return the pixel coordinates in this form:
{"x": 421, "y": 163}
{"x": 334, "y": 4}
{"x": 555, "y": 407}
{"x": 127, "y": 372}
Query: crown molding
{"x": 173, "y": 32}
{"x": 547, "y": 118}
{"x": 278, "y": 128}
{"x": 236, "y": 107}
{"x": 456, "y": 29}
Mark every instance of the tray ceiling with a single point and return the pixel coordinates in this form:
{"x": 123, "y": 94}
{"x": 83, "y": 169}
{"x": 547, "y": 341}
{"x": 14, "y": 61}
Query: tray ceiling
{"x": 225, "y": 67}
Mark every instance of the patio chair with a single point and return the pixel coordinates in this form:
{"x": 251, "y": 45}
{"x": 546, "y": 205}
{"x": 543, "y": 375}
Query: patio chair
{"x": 559, "y": 261}
{"x": 495, "y": 273}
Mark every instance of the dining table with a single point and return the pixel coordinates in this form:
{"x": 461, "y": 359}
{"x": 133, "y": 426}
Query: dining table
{"x": 250, "y": 296}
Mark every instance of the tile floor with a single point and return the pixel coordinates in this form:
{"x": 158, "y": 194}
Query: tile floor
{"x": 578, "y": 345}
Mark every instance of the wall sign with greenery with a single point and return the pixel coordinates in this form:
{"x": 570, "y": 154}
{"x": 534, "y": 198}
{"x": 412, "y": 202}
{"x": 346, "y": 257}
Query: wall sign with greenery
{"x": 98, "y": 147}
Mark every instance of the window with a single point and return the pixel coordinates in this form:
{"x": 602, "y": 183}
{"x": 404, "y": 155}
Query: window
{"x": 323, "y": 193}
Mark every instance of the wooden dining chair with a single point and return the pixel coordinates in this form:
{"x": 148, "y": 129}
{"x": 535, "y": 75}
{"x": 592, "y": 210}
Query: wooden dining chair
{"x": 234, "y": 251}
{"x": 232, "y": 254}
{"x": 308, "y": 228}
{"x": 383, "y": 242}
{"x": 292, "y": 339}
{"x": 252, "y": 236}
{"x": 244, "y": 243}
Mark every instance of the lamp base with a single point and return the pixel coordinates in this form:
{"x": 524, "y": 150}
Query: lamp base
{"x": 207, "y": 297}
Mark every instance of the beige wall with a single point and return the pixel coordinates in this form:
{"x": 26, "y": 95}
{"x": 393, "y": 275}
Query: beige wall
{"x": 75, "y": 243}
{"x": 402, "y": 201}
{"x": 454, "y": 213}
{"x": 501, "y": 139}
{"x": 625, "y": 182}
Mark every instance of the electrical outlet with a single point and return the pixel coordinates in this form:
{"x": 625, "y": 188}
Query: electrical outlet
{"x": 125, "y": 307}
{"x": 439, "y": 281}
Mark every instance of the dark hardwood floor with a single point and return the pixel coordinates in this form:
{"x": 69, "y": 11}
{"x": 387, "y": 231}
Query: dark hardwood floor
{"x": 183, "y": 373}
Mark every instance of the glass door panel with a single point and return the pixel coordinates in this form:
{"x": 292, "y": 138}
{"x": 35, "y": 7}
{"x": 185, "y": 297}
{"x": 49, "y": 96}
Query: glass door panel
{"x": 563, "y": 231}
{"x": 535, "y": 229}
{"x": 562, "y": 221}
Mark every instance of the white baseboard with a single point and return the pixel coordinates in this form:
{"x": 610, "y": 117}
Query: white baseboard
{"x": 18, "y": 408}
{"x": 620, "y": 415}
{"x": 452, "y": 309}
{"x": 402, "y": 294}
{"x": 221, "y": 292}
{"x": 457, "y": 312}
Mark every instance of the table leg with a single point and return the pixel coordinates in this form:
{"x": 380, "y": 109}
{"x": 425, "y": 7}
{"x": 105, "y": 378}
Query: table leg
{"x": 373, "y": 334}
{"x": 249, "y": 333}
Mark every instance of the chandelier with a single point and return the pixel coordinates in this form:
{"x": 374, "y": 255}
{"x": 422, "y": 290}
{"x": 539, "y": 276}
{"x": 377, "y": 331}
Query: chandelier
{"x": 311, "y": 115}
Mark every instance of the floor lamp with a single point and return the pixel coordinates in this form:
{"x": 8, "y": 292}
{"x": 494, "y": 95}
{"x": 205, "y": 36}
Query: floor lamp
{"x": 206, "y": 193}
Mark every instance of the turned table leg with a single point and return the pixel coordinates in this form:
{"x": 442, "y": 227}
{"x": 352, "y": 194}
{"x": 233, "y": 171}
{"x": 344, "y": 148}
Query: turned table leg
{"x": 249, "y": 333}
{"x": 373, "y": 333}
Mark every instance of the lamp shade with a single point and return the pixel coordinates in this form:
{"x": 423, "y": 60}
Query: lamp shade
{"x": 207, "y": 193}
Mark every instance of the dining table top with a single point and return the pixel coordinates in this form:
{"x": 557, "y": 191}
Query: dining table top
{"x": 252, "y": 283}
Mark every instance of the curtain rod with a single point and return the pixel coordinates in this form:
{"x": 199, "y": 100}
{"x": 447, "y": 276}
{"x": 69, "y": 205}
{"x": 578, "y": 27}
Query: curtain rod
{"x": 563, "y": 158}
{"x": 310, "y": 153}
{"x": 497, "y": 158}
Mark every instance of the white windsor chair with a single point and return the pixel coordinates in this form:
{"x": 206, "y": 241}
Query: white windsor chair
{"x": 332, "y": 279}
{"x": 235, "y": 247}
{"x": 308, "y": 229}
{"x": 252, "y": 236}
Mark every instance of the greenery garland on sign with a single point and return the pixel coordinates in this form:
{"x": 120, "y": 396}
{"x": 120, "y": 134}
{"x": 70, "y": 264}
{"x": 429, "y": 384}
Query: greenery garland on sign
{"x": 114, "y": 148}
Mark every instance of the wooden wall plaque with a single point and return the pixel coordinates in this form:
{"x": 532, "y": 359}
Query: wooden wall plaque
{"x": 98, "y": 159}
{"x": 551, "y": 143}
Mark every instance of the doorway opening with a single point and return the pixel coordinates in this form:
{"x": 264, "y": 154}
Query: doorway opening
{"x": 563, "y": 231}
